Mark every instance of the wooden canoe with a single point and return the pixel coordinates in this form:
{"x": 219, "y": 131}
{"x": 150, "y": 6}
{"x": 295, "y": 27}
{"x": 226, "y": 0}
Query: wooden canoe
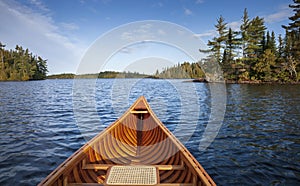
{"x": 137, "y": 149}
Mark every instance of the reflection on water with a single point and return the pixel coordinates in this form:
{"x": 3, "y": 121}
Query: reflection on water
{"x": 258, "y": 143}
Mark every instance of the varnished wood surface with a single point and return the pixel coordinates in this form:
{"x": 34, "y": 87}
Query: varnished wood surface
{"x": 137, "y": 138}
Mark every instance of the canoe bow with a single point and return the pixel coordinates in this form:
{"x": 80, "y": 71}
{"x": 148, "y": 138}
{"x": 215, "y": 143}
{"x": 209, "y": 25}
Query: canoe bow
{"x": 139, "y": 145}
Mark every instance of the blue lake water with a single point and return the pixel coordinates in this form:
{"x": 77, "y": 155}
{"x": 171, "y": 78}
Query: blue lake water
{"x": 44, "y": 122}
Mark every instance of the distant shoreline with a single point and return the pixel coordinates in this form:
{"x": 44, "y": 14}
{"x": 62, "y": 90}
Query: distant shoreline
{"x": 129, "y": 75}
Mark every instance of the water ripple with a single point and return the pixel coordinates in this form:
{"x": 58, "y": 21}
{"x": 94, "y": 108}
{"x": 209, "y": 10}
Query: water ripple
{"x": 258, "y": 144}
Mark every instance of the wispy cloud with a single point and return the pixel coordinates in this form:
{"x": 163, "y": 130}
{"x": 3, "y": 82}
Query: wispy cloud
{"x": 69, "y": 26}
{"x": 235, "y": 25}
{"x": 39, "y": 4}
{"x": 209, "y": 33}
{"x": 161, "y": 32}
{"x": 39, "y": 33}
{"x": 105, "y": 1}
{"x": 143, "y": 32}
{"x": 187, "y": 11}
{"x": 282, "y": 14}
{"x": 199, "y": 1}
{"x": 158, "y": 5}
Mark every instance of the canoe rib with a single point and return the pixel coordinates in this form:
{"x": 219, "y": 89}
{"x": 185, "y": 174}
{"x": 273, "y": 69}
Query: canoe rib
{"x": 136, "y": 138}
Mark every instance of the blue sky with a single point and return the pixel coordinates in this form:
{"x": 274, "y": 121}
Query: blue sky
{"x": 62, "y": 30}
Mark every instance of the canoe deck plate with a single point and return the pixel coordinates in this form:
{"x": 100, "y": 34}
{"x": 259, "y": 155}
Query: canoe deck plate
{"x": 132, "y": 175}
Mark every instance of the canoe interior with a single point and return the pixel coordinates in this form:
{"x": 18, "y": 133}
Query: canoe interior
{"x": 137, "y": 138}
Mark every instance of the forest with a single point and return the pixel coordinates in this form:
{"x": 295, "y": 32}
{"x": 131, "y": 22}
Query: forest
{"x": 185, "y": 70}
{"x": 21, "y": 65}
{"x": 250, "y": 54}
{"x": 105, "y": 74}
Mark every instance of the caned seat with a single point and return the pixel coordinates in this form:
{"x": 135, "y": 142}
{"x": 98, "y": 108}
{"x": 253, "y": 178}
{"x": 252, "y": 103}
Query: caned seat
{"x": 132, "y": 175}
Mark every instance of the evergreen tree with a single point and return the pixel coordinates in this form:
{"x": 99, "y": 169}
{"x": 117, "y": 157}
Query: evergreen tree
{"x": 256, "y": 32}
{"x": 261, "y": 59}
{"x": 218, "y": 43}
{"x": 20, "y": 64}
{"x": 263, "y": 66}
{"x": 232, "y": 44}
{"x": 264, "y": 42}
{"x": 292, "y": 45}
{"x": 2, "y": 66}
{"x": 185, "y": 70}
{"x": 244, "y": 32}
{"x": 280, "y": 48}
{"x": 271, "y": 42}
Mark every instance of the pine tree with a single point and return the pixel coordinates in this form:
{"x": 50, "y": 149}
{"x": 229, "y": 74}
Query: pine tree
{"x": 2, "y": 67}
{"x": 264, "y": 42}
{"x": 254, "y": 49}
{"x": 244, "y": 32}
{"x": 218, "y": 43}
{"x": 21, "y": 65}
{"x": 232, "y": 44}
{"x": 256, "y": 33}
{"x": 263, "y": 66}
{"x": 280, "y": 48}
{"x": 271, "y": 42}
{"x": 292, "y": 44}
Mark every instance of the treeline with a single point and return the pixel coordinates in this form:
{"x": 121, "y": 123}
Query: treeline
{"x": 185, "y": 70}
{"x": 21, "y": 65}
{"x": 254, "y": 54}
{"x": 61, "y": 76}
{"x": 106, "y": 74}
{"x": 113, "y": 74}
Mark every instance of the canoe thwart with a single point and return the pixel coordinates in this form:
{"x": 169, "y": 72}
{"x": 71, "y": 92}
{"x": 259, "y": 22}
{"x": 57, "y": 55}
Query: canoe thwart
{"x": 107, "y": 166}
{"x": 139, "y": 112}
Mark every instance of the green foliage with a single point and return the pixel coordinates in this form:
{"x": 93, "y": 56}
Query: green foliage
{"x": 261, "y": 60}
{"x": 218, "y": 44}
{"x": 292, "y": 42}
{"x": 182, "y": 71}
{"x": 112, "y": 74}
{"x": 21, "y": 65}
{"x": 263, "y": 66}
{"x": 256, "y": 31}
{"x": 61, "y": 76}
{"x": 106, "y": 74}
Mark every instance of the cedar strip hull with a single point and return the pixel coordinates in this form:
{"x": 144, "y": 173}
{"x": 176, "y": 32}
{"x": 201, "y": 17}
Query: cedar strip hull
{"x": 136, "y": 138}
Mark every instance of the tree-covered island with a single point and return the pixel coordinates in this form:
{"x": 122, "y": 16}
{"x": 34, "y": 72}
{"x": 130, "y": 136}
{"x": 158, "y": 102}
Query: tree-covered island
{"x": 254, "y": 54}
{"x": 105, "y": 74}
{"x": 249, "y": 55}
{"x": 21, "y": 65}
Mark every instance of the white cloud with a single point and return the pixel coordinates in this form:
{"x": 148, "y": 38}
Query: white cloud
{"x": 158, "y": 5}
{"x": 105, "y": 1}
{"x": 282, "y": 14}
{"x": 127, "y": 36}
{"x": 199, "y": 1}
{"x": 210, "y": 33}
{"x": 235, "y": 26}
{"x": 143, "y": 32}
{"x": 187, "y": 11}
{"x": 146, "y": 27}
{"x": 40, "y": 34}
{"x": 161, "y": 32}
{"x": 40, "y": 5}
{"x": 69, "y": 26}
